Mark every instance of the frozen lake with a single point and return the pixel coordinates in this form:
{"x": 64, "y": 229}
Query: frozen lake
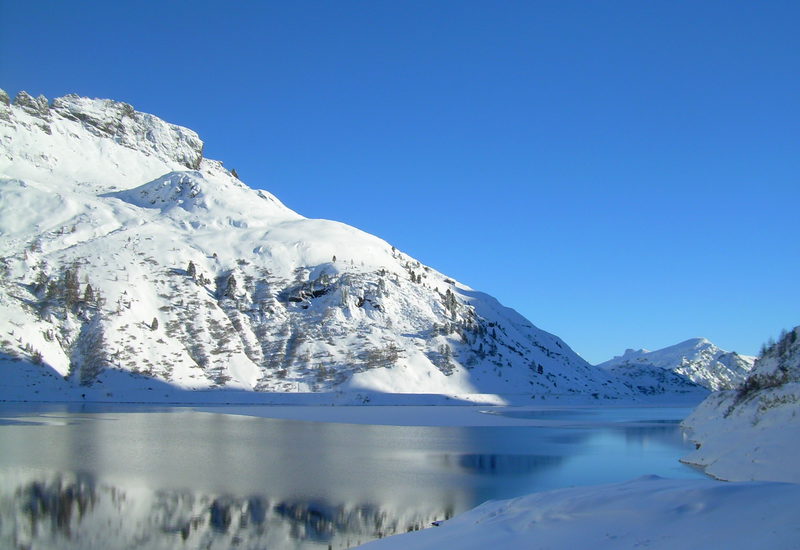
{"x": 83, "y": 476}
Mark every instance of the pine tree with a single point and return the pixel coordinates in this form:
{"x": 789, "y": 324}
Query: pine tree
{"x": 88, "y": 295}
{"x": 71, "y": 287}
{"x": 230, "y": 287}
{"x": 191, "y": 270}
{"x": 41, "y": 282}
{"x": 154, "y": 324}
{"x": 95, "y": 358}
{"x": 53, "y": 291}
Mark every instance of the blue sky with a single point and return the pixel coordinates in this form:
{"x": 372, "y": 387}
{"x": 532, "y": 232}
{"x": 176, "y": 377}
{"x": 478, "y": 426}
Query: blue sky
{"x": 624, "y": 174}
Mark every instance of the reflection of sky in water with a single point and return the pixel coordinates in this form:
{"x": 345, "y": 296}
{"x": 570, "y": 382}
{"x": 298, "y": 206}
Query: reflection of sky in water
{"x": 315, "y": 471}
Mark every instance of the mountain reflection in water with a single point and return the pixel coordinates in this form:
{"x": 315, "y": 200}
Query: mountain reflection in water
{"x": 71, "y": 511}
{"x": 499, "y": 464}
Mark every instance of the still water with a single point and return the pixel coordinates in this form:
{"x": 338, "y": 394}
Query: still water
{"x": 82, "y": 477}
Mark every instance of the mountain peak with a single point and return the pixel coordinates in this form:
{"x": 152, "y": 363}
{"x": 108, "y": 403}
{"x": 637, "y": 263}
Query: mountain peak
{"x": 128, "y": 258}
{"x": 128, "y": 127}
{"x": 695, "y": 343}
{"x": 36, "y": 106}
{"x": 70, "y": 137}
{"x": 698, "y": 359}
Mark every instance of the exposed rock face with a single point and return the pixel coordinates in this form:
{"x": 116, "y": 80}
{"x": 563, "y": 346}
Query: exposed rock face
{"x": 36, "y": 106}
{"x": 141, "y": 131}
{"x": 5, "y": 102}
{"x": 115, "y": 120}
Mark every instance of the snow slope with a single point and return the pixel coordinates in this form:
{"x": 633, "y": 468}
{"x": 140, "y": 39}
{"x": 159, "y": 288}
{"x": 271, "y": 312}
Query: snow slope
{"x": 696, "y": 360}
{"x": 649, "y": 512}
{"x": 754, "y": 432}
{"x": 126, "y": 258}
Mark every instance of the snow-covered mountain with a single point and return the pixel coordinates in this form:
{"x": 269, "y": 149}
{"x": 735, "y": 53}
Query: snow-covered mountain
{"x": 754, "y": 432}
{"x": 127, "y": 259}
{"x": 696, "y": 362}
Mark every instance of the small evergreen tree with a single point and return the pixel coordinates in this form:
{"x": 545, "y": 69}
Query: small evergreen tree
{"x": 92, "y": 344}
{"x": 53, "y": 291}
{"x": 154, "y": 324}
{"x": 230, "y": 287}
{"x": 191, "y": 270}
{"x": 71, "y": 287}
{"x": 88, "y": 295}
{"x": 40, "y": 284}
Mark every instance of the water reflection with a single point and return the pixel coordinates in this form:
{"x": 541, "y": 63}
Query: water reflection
{"x": 498, "y": 464}
{"x": 178, "y": 478}
{"x": 55, "y": 505}
{"x": 70, "y": 511}
{"x": 649, "y": 433}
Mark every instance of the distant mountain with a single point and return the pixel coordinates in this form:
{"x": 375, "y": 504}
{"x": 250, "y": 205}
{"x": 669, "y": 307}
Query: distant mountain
{"x": 130, "y": 261}
{"x": 754, "y": 432}
{"x": 696, "y": 360}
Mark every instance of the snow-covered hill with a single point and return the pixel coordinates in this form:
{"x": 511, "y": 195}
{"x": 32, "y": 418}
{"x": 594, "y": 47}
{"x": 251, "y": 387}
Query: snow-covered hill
{"x": 128, "y": 260}
{"x": 754, "y": 432}
{"x": 695, "y": 362}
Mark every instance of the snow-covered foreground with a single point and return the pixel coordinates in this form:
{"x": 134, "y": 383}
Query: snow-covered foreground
{"x": 648, "y": 512}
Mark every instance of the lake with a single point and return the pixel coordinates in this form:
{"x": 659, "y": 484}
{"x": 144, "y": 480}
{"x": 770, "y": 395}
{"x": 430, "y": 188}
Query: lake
{"x": 125, "y": 476}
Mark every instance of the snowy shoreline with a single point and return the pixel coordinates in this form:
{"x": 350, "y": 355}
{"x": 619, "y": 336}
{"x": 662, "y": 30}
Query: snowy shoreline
{"x": 649, "y": 512}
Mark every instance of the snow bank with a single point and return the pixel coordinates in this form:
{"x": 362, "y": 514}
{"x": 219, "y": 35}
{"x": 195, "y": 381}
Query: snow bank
{"x": 754, "y": 433}
{"x": 649, "y": 512}
{"x": 749, "y": 443}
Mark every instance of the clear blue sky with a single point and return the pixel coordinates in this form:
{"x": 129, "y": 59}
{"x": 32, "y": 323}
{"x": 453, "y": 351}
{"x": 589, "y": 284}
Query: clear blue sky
{"x": 624, "y": 174}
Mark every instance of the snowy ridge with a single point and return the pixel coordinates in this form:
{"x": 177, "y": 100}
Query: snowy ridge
{"x": 129, "y": 261}
{"x": 696, "y": 360}
{"x": 754, "y": 432}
